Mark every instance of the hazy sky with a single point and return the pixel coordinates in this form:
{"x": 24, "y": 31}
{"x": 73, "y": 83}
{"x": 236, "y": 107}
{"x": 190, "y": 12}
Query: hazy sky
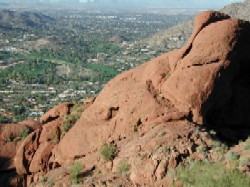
{"x": 145, "y": 3}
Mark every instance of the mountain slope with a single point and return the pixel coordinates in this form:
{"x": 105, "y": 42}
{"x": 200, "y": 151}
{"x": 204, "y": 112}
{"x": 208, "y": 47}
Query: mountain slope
{"x": 183, "y": 31}
{"x": 238, "y": 10}
{"x": 14, "y": 19}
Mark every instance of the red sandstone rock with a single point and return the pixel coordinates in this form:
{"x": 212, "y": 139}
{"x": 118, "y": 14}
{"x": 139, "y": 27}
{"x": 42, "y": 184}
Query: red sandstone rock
{"x": 56, "y": 112}
{"x": 25, "y": 153}
{"x": 41, "y": 157}
{"x": 184, "y": 84}
{"x": 9, "y": 142}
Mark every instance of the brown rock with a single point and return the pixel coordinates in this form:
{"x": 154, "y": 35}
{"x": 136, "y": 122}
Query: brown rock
{"x": 26, "y": 152}
{"x": 56, "y": 112}
{"x": 9, "y": 141}
{"x": 41, "y": 158}
{"x": 161, "y": 170}
{"x": 50, "y": 131}
{"x": 189, "y": 83}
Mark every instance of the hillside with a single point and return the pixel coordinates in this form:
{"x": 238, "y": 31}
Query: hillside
{"x": 238, "y": 10}
{"x": 176, "y": 37}
{"x": 176, "y": 117}
{"x": 23, "y": 20}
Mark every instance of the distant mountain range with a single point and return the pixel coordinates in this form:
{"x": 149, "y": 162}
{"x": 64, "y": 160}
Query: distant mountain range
{"x": 182, "y": 32}
{"x": 120, "y": 3}
{"x": 15, "y": 19}
{"x": 238, "y": 10}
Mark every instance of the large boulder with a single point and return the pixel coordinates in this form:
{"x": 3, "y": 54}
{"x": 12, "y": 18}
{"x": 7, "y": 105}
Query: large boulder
{"x": 25, "y": 152}
{"x": 56, "y": 112}
{"x": 10, "y": 140}
{"x": 205, "y": 82}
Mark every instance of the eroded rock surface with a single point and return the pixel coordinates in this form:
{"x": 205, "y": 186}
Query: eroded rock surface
{"x": 191, "y": 83}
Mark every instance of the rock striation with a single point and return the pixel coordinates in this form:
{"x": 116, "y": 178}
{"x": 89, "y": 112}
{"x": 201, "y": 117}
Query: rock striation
{"x": 205, "y": 83}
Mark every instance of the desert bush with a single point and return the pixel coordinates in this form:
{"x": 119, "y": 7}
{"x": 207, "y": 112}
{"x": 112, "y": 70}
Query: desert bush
{"x": 43, "y": 179}
{"x": 244, "y": 161}
{"x": 51, "y": 182}
{"x": 108, "y": 152}
{"x": 69, "y": 121}
{"x": 66, "y": 126}
{"x": 78, "y": 107}
{"x": 162, "y": 133}
{"x": 209, "y": 174}
{"x": 201, "y": 149}
{"x": 165, "y": 149}
{"x": 171, "y": 172}
{"x": 24, "y": 132}
{"x": 123, "y": 167}
{"x": 232, "y": 156}
{"x": 135, "y": 128}
{"x": 75, "y": 171}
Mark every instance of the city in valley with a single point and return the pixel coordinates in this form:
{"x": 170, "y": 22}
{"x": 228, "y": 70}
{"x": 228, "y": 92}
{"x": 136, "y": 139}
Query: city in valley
{"x": 55, "y": 55}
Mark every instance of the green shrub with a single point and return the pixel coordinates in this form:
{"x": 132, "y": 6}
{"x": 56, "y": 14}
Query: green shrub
{"x": 220, "y": 145}
{"x": 208, "y": 174}
{"x": 165, "y": 149}
{"x": 220, "y": 150}
{"x": 232, "y": 156}
{"x": 51, "y": 182}
{"x": 171, "y": 172}
{"x": 244, "y": 161}
{"x": 123, "y": 167}
{"x": 24, "y": 132}
{"x": 200, "y": 149}
{"x": 162, "y": 133}
{"x": 247, "y": 146}
{"x": 43, "y": 179}
{"x": 78, "y": 107}
{"x": 69, "y": 121}
{"x": 108, "y": 152}
{"x": 66, "y": 126}
{"x": 75, "y": 171}
{"x": 135, "y": 128}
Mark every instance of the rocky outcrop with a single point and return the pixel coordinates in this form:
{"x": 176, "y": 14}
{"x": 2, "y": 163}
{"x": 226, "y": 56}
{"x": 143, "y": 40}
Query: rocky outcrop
{"x": 191, "y": 83}
{"x": 11, "y": 136}
{"x": 26, "y": 152}
{"x": 56, "y": 112}
{"x": 10, "y": 141}
{"x": 26, "y": 147}
{"x": 150, "y": 114}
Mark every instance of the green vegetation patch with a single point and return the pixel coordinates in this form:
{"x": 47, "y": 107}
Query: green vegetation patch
{"x": 30, "y": 72}
{"x": 24, "y": 132}
{"x": 105, "y": 73}
{"x": 75, "y": 171}
{"x": 68, "y": 122}
{"x": 7, "y": 54}
{"x": 108, "y": 152}
{"x": 206, "y": 174}
{"x": 123, "y": 167}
